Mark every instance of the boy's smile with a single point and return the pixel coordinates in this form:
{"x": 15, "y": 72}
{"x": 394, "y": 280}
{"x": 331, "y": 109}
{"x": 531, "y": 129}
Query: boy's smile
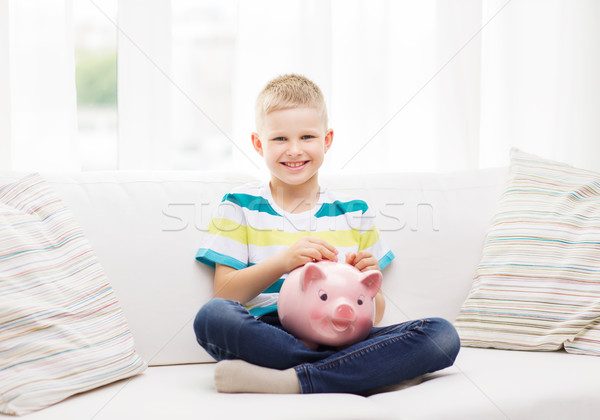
{"x": 293, "y": 143}
{"x": 294, "y": 165}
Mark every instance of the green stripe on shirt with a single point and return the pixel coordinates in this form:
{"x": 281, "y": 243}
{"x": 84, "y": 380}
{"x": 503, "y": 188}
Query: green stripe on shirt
{"x": 251, "y": 202}
{"x": 339, "y": 208}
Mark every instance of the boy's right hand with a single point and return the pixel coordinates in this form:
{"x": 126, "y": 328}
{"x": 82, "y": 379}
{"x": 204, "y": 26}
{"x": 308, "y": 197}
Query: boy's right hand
{"x": 309, "y": 249}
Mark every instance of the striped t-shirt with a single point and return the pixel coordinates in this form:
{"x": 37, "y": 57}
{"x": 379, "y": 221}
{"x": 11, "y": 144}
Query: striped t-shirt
{"x": 249, "y": 227}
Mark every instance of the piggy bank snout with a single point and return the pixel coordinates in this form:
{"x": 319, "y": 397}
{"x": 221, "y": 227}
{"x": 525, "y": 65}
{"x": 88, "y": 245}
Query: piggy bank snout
{"x": 345, "y": 312}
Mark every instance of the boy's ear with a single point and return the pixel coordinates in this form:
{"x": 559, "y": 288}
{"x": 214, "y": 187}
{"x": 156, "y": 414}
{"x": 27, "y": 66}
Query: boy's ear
{"x": 257, "y": 144}
{"x": 328, "y": 139}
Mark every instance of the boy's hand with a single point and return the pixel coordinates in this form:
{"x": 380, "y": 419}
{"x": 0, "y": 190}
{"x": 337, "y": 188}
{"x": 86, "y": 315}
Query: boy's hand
{"x": 363, "y": 261}
{"x": 309, "y": 249}
{"x": 366, "y": 261}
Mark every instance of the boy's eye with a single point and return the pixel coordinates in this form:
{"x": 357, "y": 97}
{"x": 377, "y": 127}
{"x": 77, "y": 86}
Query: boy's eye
{"x": 308, "y": 137}
{"x": 279, "y": 138}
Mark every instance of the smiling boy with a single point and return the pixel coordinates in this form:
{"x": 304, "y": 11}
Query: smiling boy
{"x": 263, "y": 231}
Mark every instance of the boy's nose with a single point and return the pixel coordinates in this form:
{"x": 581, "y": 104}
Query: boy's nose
{"x": 294, "y": 148}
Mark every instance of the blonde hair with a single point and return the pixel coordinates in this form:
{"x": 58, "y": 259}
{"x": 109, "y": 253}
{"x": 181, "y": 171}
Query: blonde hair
{"x": 289, "y": 91}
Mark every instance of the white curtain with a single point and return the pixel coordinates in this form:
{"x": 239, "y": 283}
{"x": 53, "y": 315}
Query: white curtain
{"x": 540, "y": 86}
{"x": 145, "y": 84}
{"x": 410, "y": 85}
{"x": 377, "y": 63}
{"x": 37, "y": 86}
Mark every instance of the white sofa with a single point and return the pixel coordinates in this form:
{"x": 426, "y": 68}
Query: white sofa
{"x": 146, "y": 227}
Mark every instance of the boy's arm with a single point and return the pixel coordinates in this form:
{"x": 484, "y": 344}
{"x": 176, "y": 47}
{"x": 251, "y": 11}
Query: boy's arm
{"x": 245, "y": 284}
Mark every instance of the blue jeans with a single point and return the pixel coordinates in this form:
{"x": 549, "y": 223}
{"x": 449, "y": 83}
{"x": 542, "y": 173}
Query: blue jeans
{"x": 226, "y": 330}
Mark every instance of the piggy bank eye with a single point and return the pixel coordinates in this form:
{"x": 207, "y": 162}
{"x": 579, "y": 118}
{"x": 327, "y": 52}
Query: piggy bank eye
{"x": 322, "y": 295}
{"x": 360, "y": 300}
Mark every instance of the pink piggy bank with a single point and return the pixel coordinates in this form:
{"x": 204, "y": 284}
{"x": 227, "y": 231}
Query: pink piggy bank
{"x": 328, "y": 303}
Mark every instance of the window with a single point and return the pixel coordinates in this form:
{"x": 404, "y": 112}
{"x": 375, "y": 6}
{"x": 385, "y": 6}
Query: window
{"x": 95, "y": 44}
{"x": 192, "y": 73}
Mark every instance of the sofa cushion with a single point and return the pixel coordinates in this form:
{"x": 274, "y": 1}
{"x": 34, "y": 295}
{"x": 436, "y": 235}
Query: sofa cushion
{"x": 537, "y": 286}
{"x": 145, "y": 227}
{"x": 62, "y": 329}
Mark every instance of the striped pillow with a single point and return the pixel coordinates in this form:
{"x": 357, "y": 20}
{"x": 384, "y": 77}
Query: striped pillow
{"x": 62, "y": 330}
{"x": 537, "y": 286}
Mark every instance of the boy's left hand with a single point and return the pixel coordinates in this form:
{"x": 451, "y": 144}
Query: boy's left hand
{"x": 363, "y": 261}
{"x": 366, "y": 261}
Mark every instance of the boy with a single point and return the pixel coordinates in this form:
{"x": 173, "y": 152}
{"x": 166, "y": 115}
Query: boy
{"x": 262, "y": 232}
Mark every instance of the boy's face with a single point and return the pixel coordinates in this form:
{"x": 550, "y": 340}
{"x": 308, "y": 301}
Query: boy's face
{"x": 293, "y": 143}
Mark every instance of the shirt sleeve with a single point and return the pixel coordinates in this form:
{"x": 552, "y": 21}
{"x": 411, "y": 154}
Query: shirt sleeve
{"x": 370, "y": 240}
{"x": 226, "y": 241}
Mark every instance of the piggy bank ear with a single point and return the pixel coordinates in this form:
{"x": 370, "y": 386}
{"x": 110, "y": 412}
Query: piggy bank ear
{"x": 310, "y": 272}
{"x": 372, "y": 281}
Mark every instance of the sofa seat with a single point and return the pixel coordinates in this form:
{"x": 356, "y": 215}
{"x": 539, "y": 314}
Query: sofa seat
{"x": 501, "y": 384}
{"x": 186, "y": 392}
{"x": 483, "y": 384}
